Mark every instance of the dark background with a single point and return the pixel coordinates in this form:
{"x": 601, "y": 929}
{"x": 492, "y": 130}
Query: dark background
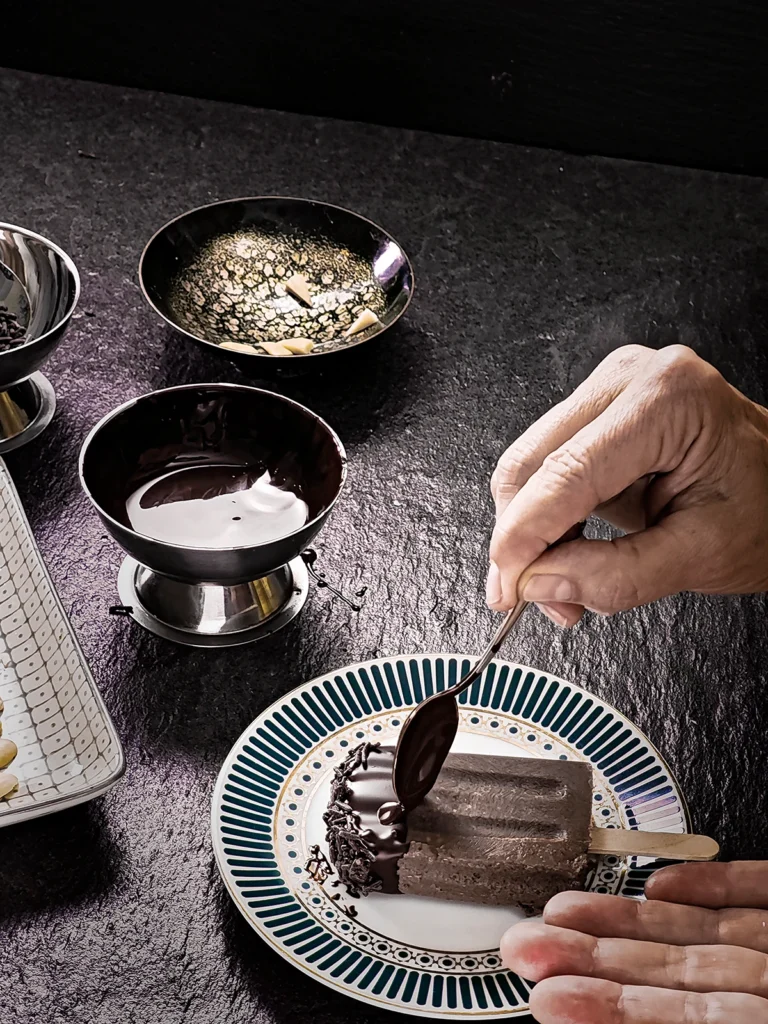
{"x": 531, "y": 266}
{"x": 680, "y": 82}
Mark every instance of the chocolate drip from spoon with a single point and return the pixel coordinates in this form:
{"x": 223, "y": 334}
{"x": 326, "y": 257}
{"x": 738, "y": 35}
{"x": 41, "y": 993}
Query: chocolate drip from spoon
{"x": 428, "y": 733}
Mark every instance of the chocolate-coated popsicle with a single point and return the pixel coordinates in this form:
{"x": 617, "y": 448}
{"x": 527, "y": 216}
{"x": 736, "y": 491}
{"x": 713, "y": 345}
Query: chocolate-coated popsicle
{"x": 493, "y": 830}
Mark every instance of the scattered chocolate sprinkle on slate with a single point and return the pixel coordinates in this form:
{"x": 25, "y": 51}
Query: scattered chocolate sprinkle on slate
{"x": 121, "y": 609}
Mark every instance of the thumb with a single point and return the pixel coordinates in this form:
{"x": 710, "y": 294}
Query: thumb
{"x": 610, "y": 576}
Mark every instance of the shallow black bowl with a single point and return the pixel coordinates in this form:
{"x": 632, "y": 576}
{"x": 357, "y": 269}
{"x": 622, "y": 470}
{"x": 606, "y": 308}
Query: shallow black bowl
{"x": 52, "y": 285}
{"x": 215, "y": 275}
{"x": 185, "y": 425}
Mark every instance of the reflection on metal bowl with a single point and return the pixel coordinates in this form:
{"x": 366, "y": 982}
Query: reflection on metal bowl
{"x": 39, "y": 289}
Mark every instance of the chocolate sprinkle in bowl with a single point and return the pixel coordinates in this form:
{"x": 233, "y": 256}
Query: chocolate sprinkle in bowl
{"x": 250, "y": 276}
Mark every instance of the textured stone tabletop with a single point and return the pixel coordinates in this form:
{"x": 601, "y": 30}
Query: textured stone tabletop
{"x": 530, "y": 266}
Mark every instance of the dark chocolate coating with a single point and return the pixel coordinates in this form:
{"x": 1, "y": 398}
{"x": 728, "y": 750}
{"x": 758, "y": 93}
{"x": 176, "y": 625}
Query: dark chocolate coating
{"x": 364, "y": 851}
{"x": 199, "y": 482}
{"x": 260, "y": 521}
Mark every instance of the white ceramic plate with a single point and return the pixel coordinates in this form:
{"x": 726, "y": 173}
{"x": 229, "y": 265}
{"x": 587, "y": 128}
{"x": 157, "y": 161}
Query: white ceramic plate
{"x": 425, "y": 957}
{"x": 69, "y": 751}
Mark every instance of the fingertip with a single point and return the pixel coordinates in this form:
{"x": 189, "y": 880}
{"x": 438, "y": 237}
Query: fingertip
{"x": 562, "y": 614}
{"x": 526, "y": 950}
{"x": 573, "y": 1000}
{"x": 493, "y": 594}
{"x": 566, "y": 907}
{"x": 664, "y": 884}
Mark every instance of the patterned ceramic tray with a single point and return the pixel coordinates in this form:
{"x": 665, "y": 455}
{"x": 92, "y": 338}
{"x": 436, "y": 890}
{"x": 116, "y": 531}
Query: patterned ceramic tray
{"x": 418, "y": 956}
{"x": 69, "y": 751}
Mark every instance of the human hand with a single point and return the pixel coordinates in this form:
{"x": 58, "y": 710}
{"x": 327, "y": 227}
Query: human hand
{"x": 695, "y": 953}
{"x": 660, "y": 445}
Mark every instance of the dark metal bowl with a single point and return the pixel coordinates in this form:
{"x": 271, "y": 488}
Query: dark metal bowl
{"x": 179, "y": 426}
{"x": 52, "y": 284}
{"x": 215, "y": 274}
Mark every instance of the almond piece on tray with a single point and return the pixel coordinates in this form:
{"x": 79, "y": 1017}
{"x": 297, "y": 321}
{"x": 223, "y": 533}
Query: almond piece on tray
{"x": 8, "y": 750}
{"x": 238, "y": 346}
{"x": 276, "y": 348}
{"x": 8, "y": 784}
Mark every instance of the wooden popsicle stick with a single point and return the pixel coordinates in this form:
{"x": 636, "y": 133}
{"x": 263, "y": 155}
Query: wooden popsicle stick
{"x": 666, "y": 845}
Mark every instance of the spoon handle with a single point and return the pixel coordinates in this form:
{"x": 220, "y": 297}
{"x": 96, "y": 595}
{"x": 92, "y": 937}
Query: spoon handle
{"x": 507, "y": 623}
{"x": 492, "y": 649}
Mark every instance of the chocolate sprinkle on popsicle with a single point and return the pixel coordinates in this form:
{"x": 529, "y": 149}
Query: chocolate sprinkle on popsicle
{"x": 363, "y": 851}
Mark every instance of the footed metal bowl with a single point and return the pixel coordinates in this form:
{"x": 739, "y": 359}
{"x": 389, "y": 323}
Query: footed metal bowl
{"x": 215, "y": 595}
{"x": 40, "y": 285}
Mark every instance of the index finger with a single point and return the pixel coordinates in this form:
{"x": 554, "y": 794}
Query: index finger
{"x": 537, "y": 951}
{"x": 740, "y": 884}
{"x": 525, "y": 455}
{"x": 636, "y": 435}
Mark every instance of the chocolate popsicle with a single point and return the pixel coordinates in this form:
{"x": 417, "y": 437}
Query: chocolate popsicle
{"x": 493, "y": 830}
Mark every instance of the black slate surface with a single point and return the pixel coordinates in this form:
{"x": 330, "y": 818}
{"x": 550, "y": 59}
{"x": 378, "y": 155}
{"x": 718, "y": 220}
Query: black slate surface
{"x": 530, "y": 266}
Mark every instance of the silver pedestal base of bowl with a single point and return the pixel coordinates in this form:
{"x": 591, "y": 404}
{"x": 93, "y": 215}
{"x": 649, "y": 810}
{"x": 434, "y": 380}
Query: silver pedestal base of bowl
{"x": 210, "y": 615}
{"x": 26, "y": 409}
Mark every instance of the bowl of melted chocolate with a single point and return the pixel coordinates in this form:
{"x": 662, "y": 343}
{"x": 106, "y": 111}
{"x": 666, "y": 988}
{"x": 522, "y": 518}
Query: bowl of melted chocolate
{"x": 214, "y": 491}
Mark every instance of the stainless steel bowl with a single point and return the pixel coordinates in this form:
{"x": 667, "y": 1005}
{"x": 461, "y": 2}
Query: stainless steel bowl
{"x": 211, "y": 596}
{"x": 216, "y": 275}
{"x": 51, "y": 286}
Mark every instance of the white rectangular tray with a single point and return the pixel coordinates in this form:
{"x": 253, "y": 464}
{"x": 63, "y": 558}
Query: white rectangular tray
{"x": 69, "y": 751}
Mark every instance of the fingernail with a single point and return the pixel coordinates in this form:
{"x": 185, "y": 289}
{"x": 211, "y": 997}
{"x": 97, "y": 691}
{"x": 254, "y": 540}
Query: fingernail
{"x": 551, "y": 613}
{"x": 548, "y": 588}
{"x": 493, "y": 586}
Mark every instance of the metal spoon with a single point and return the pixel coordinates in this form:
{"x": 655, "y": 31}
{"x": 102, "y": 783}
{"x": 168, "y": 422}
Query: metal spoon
{"x": 430, "y": 729}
